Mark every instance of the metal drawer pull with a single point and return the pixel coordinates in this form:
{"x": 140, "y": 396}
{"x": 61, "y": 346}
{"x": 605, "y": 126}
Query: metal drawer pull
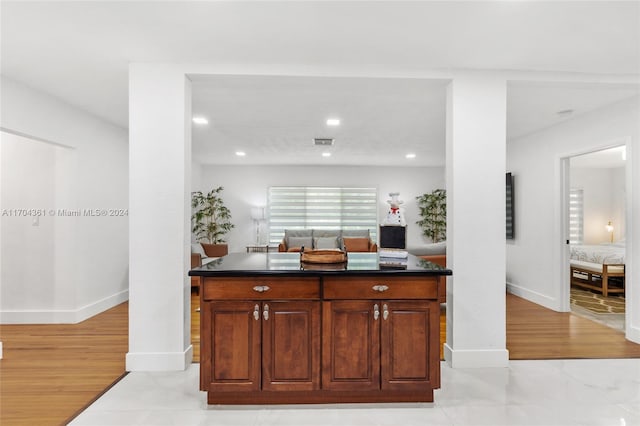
{"x": 380, "y": 287}
{"x": 261, "y": 288}
{"x": 256, "y": 313}
{"x": 376, "y": 312}
{"x": 265, "y": 313}
{"x": 385, "y": 311}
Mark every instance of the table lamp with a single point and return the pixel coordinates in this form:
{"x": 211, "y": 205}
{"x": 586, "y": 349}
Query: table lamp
{"x": 257, "y": 214}
{"x": 610, "y": 230}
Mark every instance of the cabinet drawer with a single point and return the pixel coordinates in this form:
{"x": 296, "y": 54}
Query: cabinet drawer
{"x": 380, "y": 287}
{"x": 257, "y": 288}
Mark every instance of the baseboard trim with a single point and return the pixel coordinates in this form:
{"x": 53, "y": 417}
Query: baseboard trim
{"x": 69, "y": 316}
{"x": 95, "y": 308}
{"x": 533, "y": 296}
{"x": 633, "y": 334}
{"x": 159, "y": 361}
{"x": 476, "y": 358}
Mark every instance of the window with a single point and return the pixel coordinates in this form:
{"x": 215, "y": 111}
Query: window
{"x": 576, "y": 216}
{"x": 305, "y": 207}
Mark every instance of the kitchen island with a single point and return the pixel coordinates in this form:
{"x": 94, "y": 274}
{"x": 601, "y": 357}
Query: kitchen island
{"x": 275, "y": 331}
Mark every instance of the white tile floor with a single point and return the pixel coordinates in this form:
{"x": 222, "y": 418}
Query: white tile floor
{"x": 545, "y": 393}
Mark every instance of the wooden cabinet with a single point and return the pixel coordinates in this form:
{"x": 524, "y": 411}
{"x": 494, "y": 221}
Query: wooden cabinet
{"x": 351, "y": 345}
{"x": 379, "y": 345}
{"x": 260, "y": 344}
{"x": 231, "y": 357}
{"x": 291, "y": 346}
{"x": 320, "y": 339}
{"x": 409, "y": 360}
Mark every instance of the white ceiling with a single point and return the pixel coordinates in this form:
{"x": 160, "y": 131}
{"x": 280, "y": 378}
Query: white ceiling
{"x": 80, "y": 52}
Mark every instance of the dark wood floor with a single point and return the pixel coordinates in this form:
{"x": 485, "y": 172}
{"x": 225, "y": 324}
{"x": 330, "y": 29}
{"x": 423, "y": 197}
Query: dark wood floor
{"x": 50, "y": 372}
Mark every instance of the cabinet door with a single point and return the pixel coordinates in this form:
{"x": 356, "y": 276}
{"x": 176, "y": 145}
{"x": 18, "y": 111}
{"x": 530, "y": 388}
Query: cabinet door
{"x": 351, "y": 345}
{"x": 291, "y": 346}
{"x": 409, "y": 345}
{"x": 233, "y": 361}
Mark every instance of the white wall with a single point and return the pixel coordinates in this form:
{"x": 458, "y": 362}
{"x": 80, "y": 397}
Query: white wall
{"x": 68, "y": 268}
{"x": 247, "y": 186}
{"x": 603, "y": 192}
{"x": 534, "y": 269}
{"x": 28, "y": 187}
{"x": 619, "y": 203}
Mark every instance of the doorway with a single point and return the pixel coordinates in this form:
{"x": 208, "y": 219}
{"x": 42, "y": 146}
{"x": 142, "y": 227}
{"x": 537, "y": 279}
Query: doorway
{"x": 596, "y": 191}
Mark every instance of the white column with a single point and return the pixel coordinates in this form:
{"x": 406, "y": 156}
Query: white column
{"x": 159, "y": 212}
{"x": 476, "y": 160}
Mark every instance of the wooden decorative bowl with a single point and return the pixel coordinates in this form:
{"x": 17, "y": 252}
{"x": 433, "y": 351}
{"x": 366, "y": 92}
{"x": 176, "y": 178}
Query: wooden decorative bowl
{"x": 323, "y": 256}
{"x": 306, "y": 266}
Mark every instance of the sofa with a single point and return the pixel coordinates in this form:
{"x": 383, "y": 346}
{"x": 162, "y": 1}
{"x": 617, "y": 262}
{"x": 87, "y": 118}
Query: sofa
{"x": 316, "y": 239}
{"x": 203, "y": 253}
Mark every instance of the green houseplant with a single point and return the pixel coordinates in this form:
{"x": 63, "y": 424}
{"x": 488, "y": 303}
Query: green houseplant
{"x": 211, "y": 219}
{"x": 433, "y": 210}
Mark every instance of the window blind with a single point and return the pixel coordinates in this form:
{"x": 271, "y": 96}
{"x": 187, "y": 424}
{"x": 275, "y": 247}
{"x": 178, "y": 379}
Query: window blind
{"x": 304, "y": 207}
{"x": 576, "y": 216}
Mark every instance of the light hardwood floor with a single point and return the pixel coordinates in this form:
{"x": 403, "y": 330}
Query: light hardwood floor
{"x": 534, "y": 332}
{"x": 50, "y": 372}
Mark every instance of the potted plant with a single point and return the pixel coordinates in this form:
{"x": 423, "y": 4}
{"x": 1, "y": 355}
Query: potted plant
{"x": 211, "y": 219}
{"x": 433, "y": 210}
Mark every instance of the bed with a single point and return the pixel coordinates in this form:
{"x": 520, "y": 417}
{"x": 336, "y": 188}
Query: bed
{"x": 598, "y": 267}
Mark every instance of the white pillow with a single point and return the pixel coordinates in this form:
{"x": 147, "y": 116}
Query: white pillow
{"x": 325, "y": 242}
{"x": 300, "y": 241}
{"x": 197, "y": 248}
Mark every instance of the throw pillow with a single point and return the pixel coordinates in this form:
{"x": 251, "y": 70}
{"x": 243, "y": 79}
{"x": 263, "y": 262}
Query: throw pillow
{"x": 300, "y": 241}
{"x": 325, "y": 243}
{"x": 296, "y": 233}
{"x": 356, "y": 244}
{"x": 197, "y": 248}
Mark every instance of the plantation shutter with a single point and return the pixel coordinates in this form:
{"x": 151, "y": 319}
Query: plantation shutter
{"x": 576, "y": 216}
{"x": 304, "y": 207}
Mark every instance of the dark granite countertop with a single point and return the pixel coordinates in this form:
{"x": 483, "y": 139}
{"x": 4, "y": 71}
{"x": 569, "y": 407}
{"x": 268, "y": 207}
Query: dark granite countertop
{"x": 242, "y": 264}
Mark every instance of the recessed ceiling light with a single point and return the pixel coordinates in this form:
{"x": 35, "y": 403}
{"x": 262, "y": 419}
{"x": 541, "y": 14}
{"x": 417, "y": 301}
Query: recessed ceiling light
{"x": 410, "y": 155}
{"x": 241, "y": 153}
{"x": 333, "y": 122}
{"x": 200, "y": 120}
{"x": 326, "y": 154}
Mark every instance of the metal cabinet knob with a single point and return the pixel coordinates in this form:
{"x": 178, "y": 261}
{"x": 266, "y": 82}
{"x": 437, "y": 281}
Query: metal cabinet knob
{"x": 261, "y": 288}
{"x": 376, "y": 312}
{"x": 265, "y": 313}
{"x": 256, "y": 313}
{"x": 380, "y": 287}
{"x": 385, "y": 311}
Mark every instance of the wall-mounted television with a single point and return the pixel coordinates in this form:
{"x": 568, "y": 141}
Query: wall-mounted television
{"x": 510, "y": 203}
